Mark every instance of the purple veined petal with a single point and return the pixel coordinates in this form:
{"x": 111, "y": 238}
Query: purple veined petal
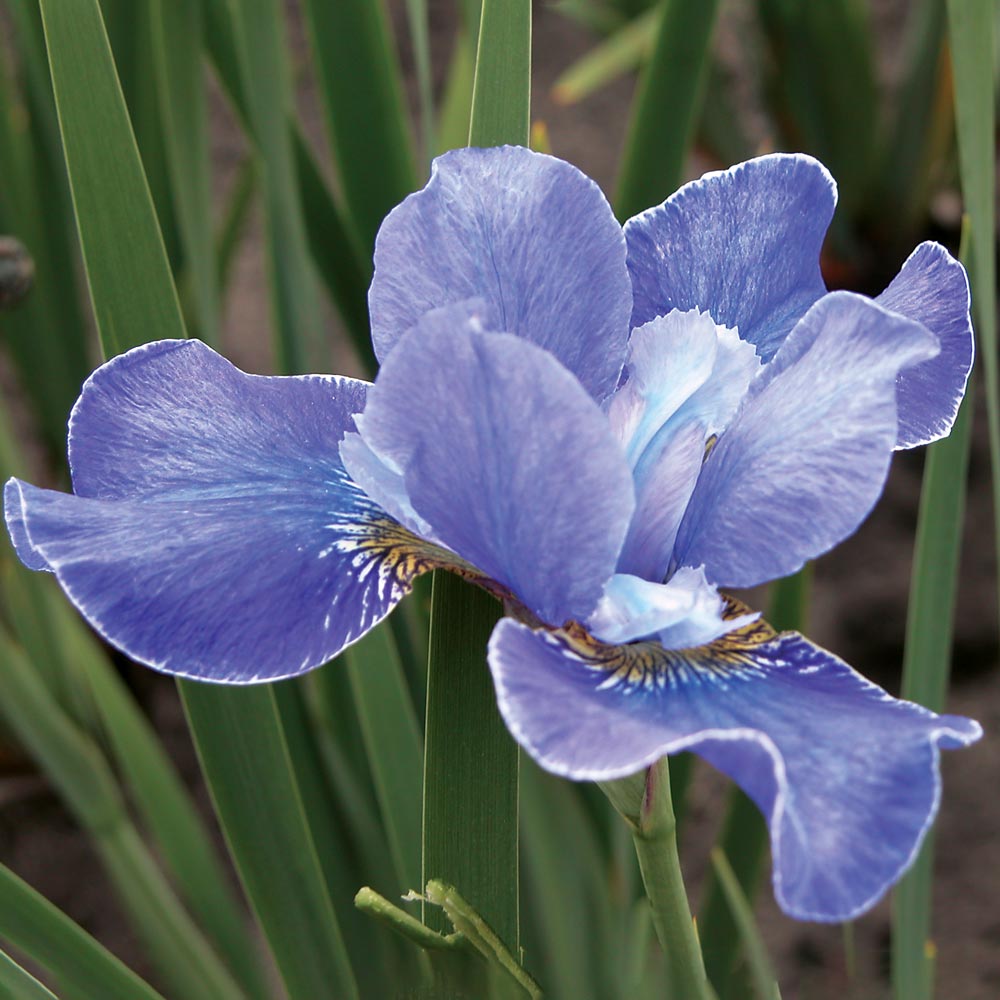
{"x": 806, "y": 456}
{"x": 846, "y": 776}
{"x": 527, "y": 233}
{"x": 229, "y": 589}
{"x": 742, "y": 244}
{"x": 932, "y": 288}
{"x": 215, "y": 533}
{"x": 508, "y": 460}
{"x": 383, "y": 478}
{"x": 685, "y": 378}
{"x": 174, "y": 418}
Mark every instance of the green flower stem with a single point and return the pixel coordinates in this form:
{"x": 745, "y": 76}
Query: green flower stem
{"x": 644, "y": 801}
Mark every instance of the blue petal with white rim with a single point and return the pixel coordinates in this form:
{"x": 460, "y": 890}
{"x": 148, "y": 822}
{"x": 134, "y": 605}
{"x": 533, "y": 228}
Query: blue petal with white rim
{"x": 214, "y": 532}
{"x": 742, "y": 244}
{"x": 531, "y": 236}
{"x": 846, "y": 776}
{"x": 805, "y": 458}
{"x": 932, "y": 288}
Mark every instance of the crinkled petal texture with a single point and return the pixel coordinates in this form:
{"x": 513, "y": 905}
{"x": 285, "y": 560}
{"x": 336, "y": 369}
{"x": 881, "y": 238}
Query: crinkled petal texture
{"x": 805, "y": 457}
{"x": 214, "y": 533}
{"x": 528, "y": 234}
{"x": 506, "y": 459}
{"x": 933, "y": 289}
{"x": 846, "y": 776}
{"x": 742, "y": 244}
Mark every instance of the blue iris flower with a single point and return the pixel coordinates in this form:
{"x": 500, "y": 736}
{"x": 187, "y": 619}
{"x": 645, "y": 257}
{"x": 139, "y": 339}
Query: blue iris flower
{"x": 602, "y": 427}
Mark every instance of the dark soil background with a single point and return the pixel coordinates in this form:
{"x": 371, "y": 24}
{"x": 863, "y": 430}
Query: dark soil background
{"x": 859, "y": 611}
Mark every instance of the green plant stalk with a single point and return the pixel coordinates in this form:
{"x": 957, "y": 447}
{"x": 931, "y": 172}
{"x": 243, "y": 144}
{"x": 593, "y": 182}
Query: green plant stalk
{"x": 345, "y": 275}
{"x": 44, "y": 933}
{"x": 260, "y": 42}
{"x": 121, "y": 248}
{"x": 926, "y": 662}
{"x": 618, "y": 54}
{"x": 177, "y": 35}
{"x": 39, "y": 612}
{"x": 501, "y": 91}
{"x": 904, "y": 162}
{"x": 393, "y": 745}
{"x": 342, "y": 868}
{"x": 245, "y": 758}
{"x": 77, "y": 769}
{"x": 743, "y": 846}
{"x": 471, "y": 925}
{"x": 761, "y": 971}
{"x": 654, "y": 833}
{"x": 470, "y": 825}
{"x": 234, "y": 220}
{"x": 456, "y": 102}
{"x": 666, "y": 106}
{"x": 18, "y": 984}
{"x": 344, "y": 270}
{"x": 568, "y": 904}
{"x": 238, "y": 733}
{"x": 470, "y": 764}
{"x": 45, "y": 334}
{"x": 416, "y": 13}
{"x": 824, "y": 89}
{"x": 363, "y": 101}
{"x": 130, "y": 27}
{"x": 970, "y": 30}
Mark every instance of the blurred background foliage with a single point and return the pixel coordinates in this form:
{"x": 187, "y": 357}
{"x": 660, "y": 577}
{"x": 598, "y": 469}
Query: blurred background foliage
{"x": 315, "y": 784}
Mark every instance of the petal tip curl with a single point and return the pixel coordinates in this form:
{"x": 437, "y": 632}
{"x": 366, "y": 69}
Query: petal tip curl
{"x": 14, "y": 515}
{"x": 932, "y": 288}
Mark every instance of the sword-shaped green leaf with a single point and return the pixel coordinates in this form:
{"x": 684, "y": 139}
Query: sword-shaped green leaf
{"x": 83, "y": 967}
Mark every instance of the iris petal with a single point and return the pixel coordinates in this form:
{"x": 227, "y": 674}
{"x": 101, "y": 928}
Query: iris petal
{"x": 846, "y": 776}
{"x": 685, "y": 377}
{"x": 215, "y": 533}
{"x": 527, "y": 233}
{"x": 509, "y": 462}
{"x": 932, "y": 288}
{"x": 685, "y": 611}
{"x": 742, "y": 244}
{"x": 805, "y": 458}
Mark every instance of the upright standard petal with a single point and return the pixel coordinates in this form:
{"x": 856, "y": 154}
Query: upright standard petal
{"x": 932, "y": 289}
{"x": 508, "y": 460}
{"x": 215, "y": 533}
{"x": 685, "y": 377}
{"x": 805, "y": 458}
{"x": 742, "y": 244}
{"x": 527, "y": 233}
{"x": 846, "y": 776}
